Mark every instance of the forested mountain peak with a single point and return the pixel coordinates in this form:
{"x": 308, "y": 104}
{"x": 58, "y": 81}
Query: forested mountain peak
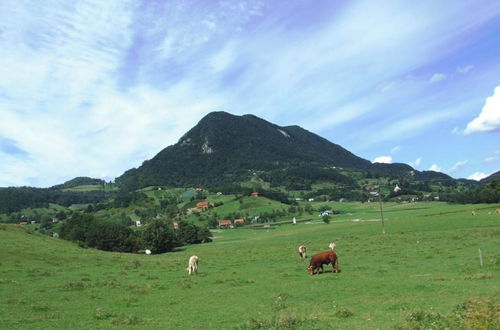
{"x": 224, "y": 148}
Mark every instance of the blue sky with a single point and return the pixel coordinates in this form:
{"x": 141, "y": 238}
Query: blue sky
{"x": 93, "y": 88}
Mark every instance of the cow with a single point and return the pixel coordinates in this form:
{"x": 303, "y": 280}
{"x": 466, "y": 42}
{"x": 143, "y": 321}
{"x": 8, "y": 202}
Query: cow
{"x": 332, "y": 246}
{"x": 302, "y": 252}
{"x": 323, "y": 258}
{"x": 192, "y": 265}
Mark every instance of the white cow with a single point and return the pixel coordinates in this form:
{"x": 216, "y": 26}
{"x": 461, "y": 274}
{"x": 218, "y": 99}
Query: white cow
{"x": 302, "y": 252}
{"x": 192, "y": 265}
{"x": 332, "y": 246}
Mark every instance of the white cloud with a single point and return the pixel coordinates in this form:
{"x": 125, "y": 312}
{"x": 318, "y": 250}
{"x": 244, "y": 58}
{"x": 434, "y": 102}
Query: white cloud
{"x": 465, "y": 69}
{"x": 96, "y": 87}
{"x": 477, "y": 176}
{"x": 383, "y": 159}
{"x": 437, "y": 77}
{"x": 436, "y": 168}
{"x": 456, "y": 131}
{"x": 489, "y": 118}
{"x": 416, "y": 163}
{"x": 457, "y": 166}
{"x": 407, "y": 126}
{"x": 223, "y": 59}
{"x": 395, "y": 150}
{"x": 493, "y": 158}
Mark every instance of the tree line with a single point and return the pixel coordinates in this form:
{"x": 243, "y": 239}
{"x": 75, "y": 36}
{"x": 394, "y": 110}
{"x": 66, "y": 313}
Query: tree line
{"x": 13, "y": 199}
{"x": 157, "y": 235}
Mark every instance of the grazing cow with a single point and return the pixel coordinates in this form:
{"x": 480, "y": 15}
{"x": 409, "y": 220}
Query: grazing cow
{"x": 302, "y": 252}
{"x": 193, "y": 265}
{"x": 323, "y": 258}
{"x": 332, "y": 246}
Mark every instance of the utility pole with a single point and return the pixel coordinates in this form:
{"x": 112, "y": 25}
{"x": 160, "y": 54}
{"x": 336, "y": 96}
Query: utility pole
{"x": 381, "y": 209}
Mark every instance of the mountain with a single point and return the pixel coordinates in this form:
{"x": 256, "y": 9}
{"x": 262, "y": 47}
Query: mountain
{"x": 490, "y": 178}
{"x": 224, "y": 148}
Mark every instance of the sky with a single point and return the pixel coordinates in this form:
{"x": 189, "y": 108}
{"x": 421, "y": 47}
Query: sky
{"x": 94, "y": 88}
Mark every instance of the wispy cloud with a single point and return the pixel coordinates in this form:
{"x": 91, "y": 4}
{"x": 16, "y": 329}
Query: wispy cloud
{"x": 437, "y": 77}
{"x": 465, "y": 69}
{"x": 494, "y": 158}
{"x": 396, "y": 149}
{"x": 416, "y": 163}
{"x": 457, "y": 166}
{"x": 453, "y": 169}
{"x": 96, "y": 87}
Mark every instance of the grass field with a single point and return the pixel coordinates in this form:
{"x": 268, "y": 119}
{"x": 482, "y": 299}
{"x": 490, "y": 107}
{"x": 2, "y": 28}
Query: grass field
{"x": 426, "y": 263}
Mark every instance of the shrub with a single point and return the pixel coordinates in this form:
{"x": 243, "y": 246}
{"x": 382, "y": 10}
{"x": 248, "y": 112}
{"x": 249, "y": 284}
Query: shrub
{"x": 475, "y": 313}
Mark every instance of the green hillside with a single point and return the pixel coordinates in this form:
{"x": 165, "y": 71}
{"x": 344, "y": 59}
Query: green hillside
{"x": 417, "y": 274}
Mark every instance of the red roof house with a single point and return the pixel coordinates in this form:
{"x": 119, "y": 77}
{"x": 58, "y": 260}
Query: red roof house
{"x": 225, "y": 223}
{"x": 202, "y": 205}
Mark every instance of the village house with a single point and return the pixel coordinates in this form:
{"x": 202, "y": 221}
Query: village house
{"x": 240, "y": 221}
{"x": 254, "y": 194}
{"x": 225, "y": 224}
{"x": 202, "y": 205}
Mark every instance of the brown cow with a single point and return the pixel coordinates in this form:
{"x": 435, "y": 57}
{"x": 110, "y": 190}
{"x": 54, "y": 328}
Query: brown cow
{"x": 323, "y": 258}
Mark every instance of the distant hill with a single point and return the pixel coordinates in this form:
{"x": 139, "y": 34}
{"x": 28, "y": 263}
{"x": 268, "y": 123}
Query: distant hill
{"x": 490, "y": 178}
{"x": 79, "y": 181}
{"x": 224, "y": 148}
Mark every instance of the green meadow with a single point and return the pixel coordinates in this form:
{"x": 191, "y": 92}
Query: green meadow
{"x": 425, "y": 270}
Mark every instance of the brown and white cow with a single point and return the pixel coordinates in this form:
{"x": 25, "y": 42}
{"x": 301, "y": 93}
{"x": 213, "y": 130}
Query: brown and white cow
{"x": 323, "y": 258}
{"x": 192, "y": 265}
{"x": 302, "y": 252}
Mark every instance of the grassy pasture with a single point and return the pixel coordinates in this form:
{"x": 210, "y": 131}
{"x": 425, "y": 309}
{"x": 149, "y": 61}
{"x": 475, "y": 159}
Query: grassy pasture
{"x": 428, "y": 261}
{"x": 91, "y": 187}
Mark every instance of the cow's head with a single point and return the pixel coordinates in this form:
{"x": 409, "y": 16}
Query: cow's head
{"x": 310, "y": 269}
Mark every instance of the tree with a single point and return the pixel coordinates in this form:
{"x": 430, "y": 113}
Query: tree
{"x": 45, "y": 221}
{"x": 159, "y": 237}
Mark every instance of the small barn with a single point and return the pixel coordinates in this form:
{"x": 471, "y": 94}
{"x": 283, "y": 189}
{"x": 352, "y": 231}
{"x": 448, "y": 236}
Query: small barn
{"x": 225, "y": 224}
{"x": 202, "y": 205}
{"x": 239, "y": 221}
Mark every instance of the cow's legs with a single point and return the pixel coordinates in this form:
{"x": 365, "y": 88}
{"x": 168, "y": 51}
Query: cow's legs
{"x": 335, "y": 266}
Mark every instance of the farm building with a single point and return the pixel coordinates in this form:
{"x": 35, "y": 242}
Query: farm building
{"x": 202, "y": 205}
{"x": 225, "y": 224}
